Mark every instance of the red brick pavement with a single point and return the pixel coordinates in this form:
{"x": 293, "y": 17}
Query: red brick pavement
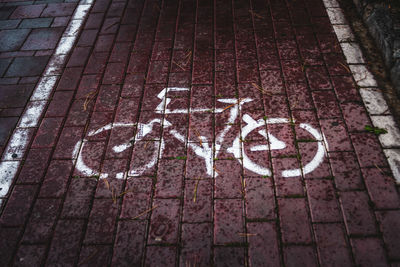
{"x": 282, "y": 54}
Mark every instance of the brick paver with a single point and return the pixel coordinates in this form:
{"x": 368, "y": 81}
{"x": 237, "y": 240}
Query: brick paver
{"x": 123, "y": 172}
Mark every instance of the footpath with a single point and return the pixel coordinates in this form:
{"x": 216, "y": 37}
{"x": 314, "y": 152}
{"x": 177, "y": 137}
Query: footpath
{"x": 192, "y": 133}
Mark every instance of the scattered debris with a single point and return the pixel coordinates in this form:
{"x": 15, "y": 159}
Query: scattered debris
{"x": 197, "y": 134}
{"x": 344, "y": 66}
{"x": 262, "y": 90}
{"x": 107, "y": 183}
{"x": 380, "y": 170}
{"x": 89, "y": 98}
{"x": 228, "y": 107}
{"x": 86, "y": 260}
{"x": 243, "y": 188}
{"x": 195, "y": 190}
{"x": 375, "y": 130}
{"x": 146, "y": 144}
{"x": 144, "y": 212}
{"x": 255, "y": 14}
{"x": 215, "y": 169}
{"x": 111, "y": 25}
{"x": 246, "y": 234}
{"x": 179, "y": 65}
{"x": 125, "y": 192}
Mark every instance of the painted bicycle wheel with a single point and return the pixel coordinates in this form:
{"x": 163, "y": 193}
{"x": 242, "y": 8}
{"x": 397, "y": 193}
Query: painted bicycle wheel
{"x": 238, "y": 148}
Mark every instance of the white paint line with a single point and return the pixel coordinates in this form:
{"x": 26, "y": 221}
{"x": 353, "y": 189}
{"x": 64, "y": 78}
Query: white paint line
{"x": 82, "y": 11}
{"x": 344, "y": 33}
{"x": 110, "y": 126}
{"x": 237, "y": 148}
{"x": 17, "y": 145}
{"x": 138, "y": 170}
{"x": 80, "y": 163}
{"x": 233, "y": 115}
{"x": 393, "y": 156}
{"x": 19, "y": 140}
{"x": 186, "y": 110}
{"x": 352, "y": 53}
{"x": 142, "y": 130}
{"x": 86, "y": 2}
{"x": 162, "y": 107}
{"x": 318, "y": 158}
{"x": 55, "y": 66}
{"x": 331, "y": 3}
{"x": 65, "y": 45}
{"x": 73, "y": 27}
{"x": 30, "y": 118}
{"x": 7, "y": 172}
{"x": 336, "y": 15}
{"x": 77, "y": 149}
{"x": 374, "y": 101}
{"x": 103, "y": 175}
{"x": 363, "y": 76}
{"x": 277, "y": 120}
{"x": 392, "y": 137}
{"x": 275, "y": 144}
{"x": 44, "y": 88}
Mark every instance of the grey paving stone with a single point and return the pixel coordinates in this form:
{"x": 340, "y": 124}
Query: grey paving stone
{"x": 41, "y": 39}
{"x": 4, "y": 62}
{"x": 11, "y": 40}
{"x": 9, "y": 24}
{"x": 36, "y": 23}
{"x": 27, "y": 66}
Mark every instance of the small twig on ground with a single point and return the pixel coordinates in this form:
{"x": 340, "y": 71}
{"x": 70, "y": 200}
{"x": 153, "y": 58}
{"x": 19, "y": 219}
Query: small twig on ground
{"x": 144, "y": 212}
{"x": 177, "y": 64}
{"x": 243, "y": 189}
{"x": 344, "y": 66}
{"x": 380, "y": 169}
{"x": 198, "y": 135}
{"x": 188, "y": 56}
{"x": 246, "y": 234}
{"x": 125, "y": 192}
{"x": 255, "y": 14}
{"x": 262, "y": 90}
{"x": 112, "y": 24}
{"x": 228, "y": 107}
{"x": 215, "y": 169}
{"x": 86, "y": 260}
{"x": 195, "y": 190}
{"x": 296, "y": 102}
{"x": 107, "y": 183}
{"x": 146, "y": 144}
{"x": 113, "y": 195}
{"x": 89, "y": 97}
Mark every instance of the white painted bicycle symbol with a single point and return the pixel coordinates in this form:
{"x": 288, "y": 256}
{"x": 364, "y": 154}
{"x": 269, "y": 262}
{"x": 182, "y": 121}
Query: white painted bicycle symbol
{"x": 204, "y": 150}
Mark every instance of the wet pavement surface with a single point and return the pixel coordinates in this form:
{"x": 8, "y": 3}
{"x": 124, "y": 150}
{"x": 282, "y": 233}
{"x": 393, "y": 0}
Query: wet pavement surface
{"x": 193, "y": 133}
